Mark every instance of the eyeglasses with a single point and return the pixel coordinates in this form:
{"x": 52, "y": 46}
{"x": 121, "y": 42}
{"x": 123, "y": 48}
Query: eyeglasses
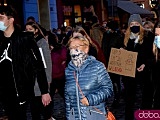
{"x": 76, "y": 46}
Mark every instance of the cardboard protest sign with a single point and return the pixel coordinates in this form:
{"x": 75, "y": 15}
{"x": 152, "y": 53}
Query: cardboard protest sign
{"x": 122, "y": 62}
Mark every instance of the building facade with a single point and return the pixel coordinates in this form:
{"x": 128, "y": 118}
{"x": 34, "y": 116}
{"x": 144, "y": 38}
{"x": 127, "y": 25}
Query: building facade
{"x": 78, "y": 12}
{"x": 57, "y": 13}
{"x": 44, "y": 11}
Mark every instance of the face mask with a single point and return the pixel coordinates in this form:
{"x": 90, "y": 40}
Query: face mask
{"x": 148, "y": 29}
{"x": 108, "y": 31}
{"x": 77, "y": 57}
{"x": 31, "y": 31}
{"x": 2, "y": 26}
{"x": 135, "y": 29}
{"x": 58, "y": 33}
{"x": 157, "y": 41}
{"x": 104, "y": 25}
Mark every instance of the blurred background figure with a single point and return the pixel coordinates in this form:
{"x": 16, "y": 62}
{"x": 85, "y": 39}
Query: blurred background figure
{"x": 59, "y": 57}
{"x": 96, "y": 31}
{"x": 156, "y": 71}
{"x": 113, "y": 39}
{"x": 68, "y": 33}
{"x": 148, "y": 25}
{"x": 123, "y": 29}
{"x": 60, "y": 35}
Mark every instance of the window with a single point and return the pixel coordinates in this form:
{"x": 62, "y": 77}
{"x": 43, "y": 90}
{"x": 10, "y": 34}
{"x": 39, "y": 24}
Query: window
{"x": 72, "y": 15}
{"x": 77, "y": 13}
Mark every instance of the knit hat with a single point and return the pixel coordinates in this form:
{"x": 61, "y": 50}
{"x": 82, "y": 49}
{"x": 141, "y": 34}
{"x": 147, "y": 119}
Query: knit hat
{"x": 135, "y": 18}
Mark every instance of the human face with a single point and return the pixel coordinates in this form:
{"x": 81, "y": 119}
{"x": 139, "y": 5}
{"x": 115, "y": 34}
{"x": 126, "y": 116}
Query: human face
{"x": 157, "y": 37}
{"x": 134, "y": 24}
{"x": 146, "y": 26}
{"x": 29, "y": 28}
{"x": 5, "y": 22}
{"x": 79, "y": 44}
{"x": 157, "y": 31}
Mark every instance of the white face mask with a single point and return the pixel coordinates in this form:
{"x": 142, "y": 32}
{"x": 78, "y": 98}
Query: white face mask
{"x": 77, "y": 57}
{"x": 148, "y": 29}
{"x": 2, "y": 26}
{"x": 157, "y": 41}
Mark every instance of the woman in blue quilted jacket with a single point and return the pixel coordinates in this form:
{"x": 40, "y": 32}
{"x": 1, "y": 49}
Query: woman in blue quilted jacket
{"x": 88, "y": 84}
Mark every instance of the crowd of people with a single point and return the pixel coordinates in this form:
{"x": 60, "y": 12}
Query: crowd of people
{"x": 36, "y": 63}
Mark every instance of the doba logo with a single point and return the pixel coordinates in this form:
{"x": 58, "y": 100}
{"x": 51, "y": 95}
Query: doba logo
{"x": 147, "y": 114}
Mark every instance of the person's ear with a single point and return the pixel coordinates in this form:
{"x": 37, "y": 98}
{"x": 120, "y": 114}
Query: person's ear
{"x": 36, "y": 30}
{"x": 86, "y": 50}
{"x": 11, "y": 20}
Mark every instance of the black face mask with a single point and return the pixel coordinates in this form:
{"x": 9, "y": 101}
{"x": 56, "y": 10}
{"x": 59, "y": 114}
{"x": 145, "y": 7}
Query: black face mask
{"x": 135, "y": 29}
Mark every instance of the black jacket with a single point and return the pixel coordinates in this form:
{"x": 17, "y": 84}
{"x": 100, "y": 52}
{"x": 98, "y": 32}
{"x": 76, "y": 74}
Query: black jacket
{"x": 144, "y": 50}
{"x": 111, "y": 40}
{"x": 26, "y": 64}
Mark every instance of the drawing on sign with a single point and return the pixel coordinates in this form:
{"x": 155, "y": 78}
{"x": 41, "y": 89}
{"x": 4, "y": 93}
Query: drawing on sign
{"x": 116, "y": 61}
{"x": 129, "y": 63}
{"x": 122, "y": 62}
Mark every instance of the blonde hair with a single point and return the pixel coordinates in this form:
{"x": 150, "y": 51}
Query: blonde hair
{"x": 81, "y": 38}
{"x": 128, "y": 33}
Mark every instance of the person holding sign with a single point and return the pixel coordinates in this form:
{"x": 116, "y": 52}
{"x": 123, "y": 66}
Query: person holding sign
{"x": 138, "y": 40}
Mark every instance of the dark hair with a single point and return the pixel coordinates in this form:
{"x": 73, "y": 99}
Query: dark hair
{"x": 53, "y": 40}
{"x": 156, "y": 25}
{"x": 113, "y": 25}
{"x": 8, "y": 11}
{"x": 36, "y": 26}
{"x": 94, "y": 19}
{"x": 31, "y": 18}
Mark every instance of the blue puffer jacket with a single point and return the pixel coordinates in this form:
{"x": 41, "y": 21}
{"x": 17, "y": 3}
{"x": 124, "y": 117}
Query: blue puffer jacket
{"x": 95, "y": 84}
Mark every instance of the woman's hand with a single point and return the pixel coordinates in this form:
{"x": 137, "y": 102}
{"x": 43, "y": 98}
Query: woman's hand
{"x": 84, "y": 101}
{"x": 141, "y": 68}
{"x": 46, "y": 99}
{"x": 122, "y": 48}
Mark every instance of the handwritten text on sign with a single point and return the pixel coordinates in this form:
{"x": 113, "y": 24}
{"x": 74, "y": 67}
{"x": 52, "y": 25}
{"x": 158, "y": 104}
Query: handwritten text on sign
{"x": 122, "y": 62}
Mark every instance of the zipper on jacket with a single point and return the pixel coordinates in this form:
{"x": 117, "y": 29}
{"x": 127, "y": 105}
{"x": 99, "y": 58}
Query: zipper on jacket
{"x": 77, "y": 94}
{"x": 34, "y": 54}
{"x": 14, "y": 80}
